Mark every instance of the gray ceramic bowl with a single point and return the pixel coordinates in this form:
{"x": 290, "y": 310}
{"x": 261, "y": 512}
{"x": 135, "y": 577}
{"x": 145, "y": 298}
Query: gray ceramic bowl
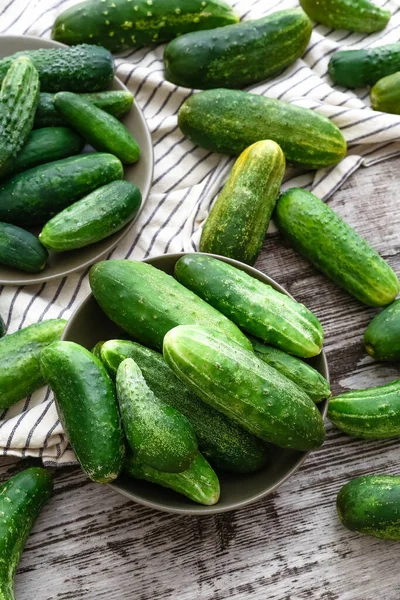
{"x": 141, "y": 173}
{"x": 89, "y": 324}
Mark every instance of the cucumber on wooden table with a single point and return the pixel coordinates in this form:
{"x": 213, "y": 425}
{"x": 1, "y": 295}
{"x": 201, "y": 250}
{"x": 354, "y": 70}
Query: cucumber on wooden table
{"x": 87, "y": 407}
{"x": 335, "y": 248}
{"x": 22, "y": 498}
{"x": 243, "y": 387}
{"x": 382, "y": 336}
{"x": 125, "y": 24}
{"x": 385, "y": 95}
{"x": 355, "y": 15}
{"x": 83, "y": 68}
{"x": 20, "y": 373}
{"x": 21, "y": 249}
{"x": 240, "y": 54}
{"x": 239, "y": 219}
{"x": 358, "y": 68}
{"x": 228, "y": 121}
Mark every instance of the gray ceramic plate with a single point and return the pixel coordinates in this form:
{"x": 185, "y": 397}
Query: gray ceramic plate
{"x": 88, "y": 325}
{"x": 61, "y": 264}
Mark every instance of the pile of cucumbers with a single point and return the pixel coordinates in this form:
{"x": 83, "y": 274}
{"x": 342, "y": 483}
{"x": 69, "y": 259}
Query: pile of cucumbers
{"x": 77, "y": 199}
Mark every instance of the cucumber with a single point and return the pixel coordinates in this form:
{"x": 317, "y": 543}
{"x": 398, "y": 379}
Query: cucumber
{"x": 198, "y": 483}
{"x": 382, "y": 336}
{"x": 371, "y": 505}
{"x": 87, "y": 408}
{"x": 19, "y": 96}
{"x": 385, "y": 95}
{"x": 96, "y": 350}
{"x": 253, "y": 305}
{"x": 47, "y": 145}
{"x": 239, "y": 54}
{"x": 226, "y": 445}
{"x": 358, "y": 68}
{"x": 97, "y": 216}
{"x": 228, "y": 121}
{"x": 115, "y": 102}
{"x": 21, "y": 249}
{"x": 146, "y": 302}
{"x": 353, "y": 15}
{"x": 160, "y": 436}
{"x": 33, "y": 197}
{"x": 302, "y": 374}
{"x": 331, "y": 245}
{"x": 103, "y": 131}
{"x": 239, "y": 219}
{"x": 122, "y": 24}
{"x": 19, "y": 359}
{"x": 83, "y": 68}
{"x": 243, "y": 387}
{"x": 22, "y": 498}
{"x": 372, "y": 413}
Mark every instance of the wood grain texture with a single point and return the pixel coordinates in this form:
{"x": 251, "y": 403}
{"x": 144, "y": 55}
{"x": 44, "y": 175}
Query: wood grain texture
{"x": 92, "y": 543}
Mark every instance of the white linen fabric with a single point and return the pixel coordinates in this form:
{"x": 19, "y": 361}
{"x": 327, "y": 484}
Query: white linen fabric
{"x": 186, "y": 178}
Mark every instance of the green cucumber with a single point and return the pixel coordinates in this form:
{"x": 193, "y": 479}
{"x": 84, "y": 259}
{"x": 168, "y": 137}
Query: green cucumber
{"x": 115, "y": 102}
{"x": 93, "y": 218}
{"x": 372, "y": 413}
{"x": 253, "y": 305}
{"x": 159, "y": 435}
{"x": 302, "y": 374}
{"x": 239, "y": 54}
{"x": 239, "y": 219}
{"x": 19, "y": 359}
{"x": 33, "y": 197}
{"x": 382, "y": 336}
{"x": 243, "y": 387}
{"x": 103, "y": 131}
{"x": 19, "y": 96}
{"x": 335, "y": 248}
{"x": 83, "y": 68}
{"x": 358, "y": 68}
{"x": 228, "y": 121}
{"x": 22, "y": 498}
{"x": 353, "y": 15}
{"x": 385, "y": 95}
{"x": 87, "y": 408}
{"x": 96, "y": 350}
{"x": 47, "y": 145}
{"x": 371, "y": 505}
{"x": 146, "y": 302}
{"x": 21, "y": 249}
{"x": 226, "y": 445}
{"x": 198, "y": 483}
{"x": 127, "y": 24}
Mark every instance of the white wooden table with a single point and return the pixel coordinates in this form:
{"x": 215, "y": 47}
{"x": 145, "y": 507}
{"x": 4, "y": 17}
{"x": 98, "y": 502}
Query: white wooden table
{"x": 92, "y": 543}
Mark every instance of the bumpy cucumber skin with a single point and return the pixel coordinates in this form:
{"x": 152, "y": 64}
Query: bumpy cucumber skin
{"x": 103, "y": 131}
{"x": 33, "y": 197}
{"x": 253, "y": 305}
{"x": 335, "y": 248}
{"x": 239, "y": 219}
{"x": 21, "y": 249}
{"x": 226, "y": 445}
{"x": 19, "y": 96}
{"x": 19, "y": 359}
{"x": 199, "y": 483}
{"x": 382, "y": 336}
{"x": 146, "y": 302}
{"x": 47, "y": 145}
{"x": 303, "y": 375}
{"x": 93, "y": 218}
{"x": 240, "y": 54}
{"x": 83, "y": 68}
{"x": 228, "y": 121}
{"x": 358, "y": 68}
{"x": 385, "y": 95}
{"x": 371, "y": 505}
{"x": 22, "y": 498}
{"x": 130, "y": 25}
{"x": 353, "y": 15}
{"x": 160, "y": 436}
{"x": 87, "y": 408}
{"x": 244, "y": 388}
{"x": 372, "y": 413}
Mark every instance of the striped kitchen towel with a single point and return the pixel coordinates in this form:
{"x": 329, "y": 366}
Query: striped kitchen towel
{"x": 186, "y": 179}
